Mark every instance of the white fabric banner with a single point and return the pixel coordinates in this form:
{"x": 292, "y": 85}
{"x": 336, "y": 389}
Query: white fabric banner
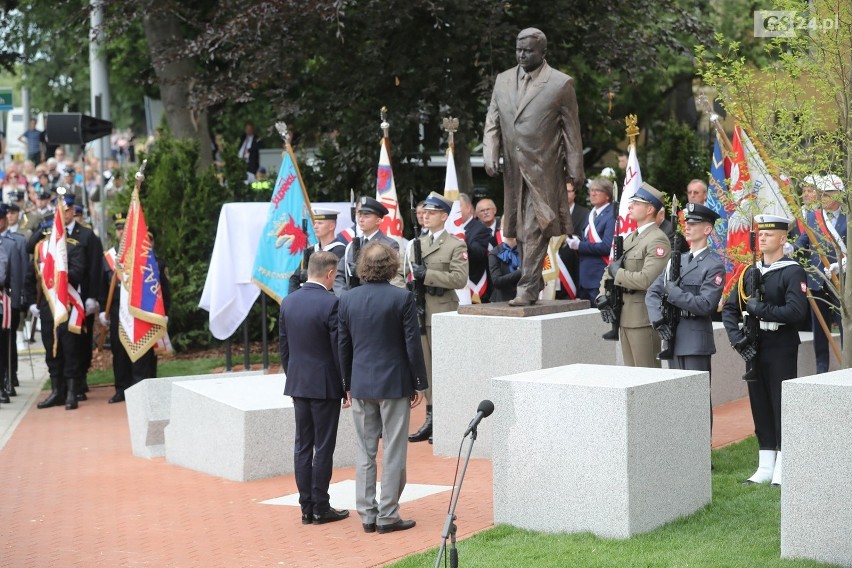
{"x": 228, "y": 291}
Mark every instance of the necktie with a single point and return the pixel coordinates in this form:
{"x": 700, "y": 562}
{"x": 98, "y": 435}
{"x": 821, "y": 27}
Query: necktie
{"x": 690, "y": 257}
{"x": 431, "y": 240}
{"x": 522, "y": 89}
{"x": 594, "y": 215}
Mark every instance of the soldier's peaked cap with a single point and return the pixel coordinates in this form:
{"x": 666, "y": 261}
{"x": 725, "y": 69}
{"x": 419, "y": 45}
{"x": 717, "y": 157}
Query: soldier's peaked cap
{"x": 647, "y": 193}
{"x": 698, "y": 213}
{"x": 371, "y": 205}
{"x": 437, "y": 202}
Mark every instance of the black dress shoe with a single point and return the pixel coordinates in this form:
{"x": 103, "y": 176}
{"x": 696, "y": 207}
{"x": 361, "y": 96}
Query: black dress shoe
{"x": 4, "y": 397}
{"x": 81, "y": 397}
{"x": 430, "y": 439}
{"x": 330, "y": 516}
{"x": 307, "y": 518}
{"x": 53, "y": 399}
{"x": 12, "y": 392}
{"x": 611, "y": 335}
{"x": 119, "y": 397}
{"x": 369, "y": 527}
{"x": 400, "y": 525}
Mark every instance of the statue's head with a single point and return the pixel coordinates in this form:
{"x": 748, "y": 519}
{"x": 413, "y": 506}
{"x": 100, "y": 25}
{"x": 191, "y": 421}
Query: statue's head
{"x": 530, "y": 49}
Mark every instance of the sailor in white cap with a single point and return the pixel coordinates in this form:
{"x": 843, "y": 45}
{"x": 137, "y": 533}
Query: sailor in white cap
{"x": 325, "y": 224}
{"x": 772, "y": 291}
{"x": 828, "y": 226}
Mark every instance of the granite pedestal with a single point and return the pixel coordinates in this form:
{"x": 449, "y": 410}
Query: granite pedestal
{"x": 241, "y": 428}
{"x": 816, "y": 484}
{"x": 615, "y": 451}
{"x": 468, "y": 350}
{"x": 149, "y": 405}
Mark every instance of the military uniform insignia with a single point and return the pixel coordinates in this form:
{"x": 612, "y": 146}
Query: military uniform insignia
{"x": 718, "y": 280}
{"x": 804, "y": 287}
{"x": 660, "y": 251}
{"x": 464, "y": 255}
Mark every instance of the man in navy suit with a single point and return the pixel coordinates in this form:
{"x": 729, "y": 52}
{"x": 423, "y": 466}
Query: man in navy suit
{"x": 384, "y": 373}
{"x": 596, "y": 242}
{"x": 478, "y": 239}
{"x": 829, "y": 227}
{"x": 308, "y": 346}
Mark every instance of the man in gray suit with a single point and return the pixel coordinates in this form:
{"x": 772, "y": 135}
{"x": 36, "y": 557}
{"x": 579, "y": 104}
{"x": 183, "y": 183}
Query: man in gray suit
{"x": 381, "y": 360}
{"x": 696, "y": 294}
{"x": 14, "y": 247}
{"x": 369, "y": 214}
{"x": 533, "y": 120}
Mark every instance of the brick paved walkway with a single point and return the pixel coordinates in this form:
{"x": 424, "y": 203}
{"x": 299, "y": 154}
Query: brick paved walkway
{"x": 72, "y": 494}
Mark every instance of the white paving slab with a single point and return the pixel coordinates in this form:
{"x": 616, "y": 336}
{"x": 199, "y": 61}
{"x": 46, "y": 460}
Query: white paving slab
{"x": 342, "y": 494}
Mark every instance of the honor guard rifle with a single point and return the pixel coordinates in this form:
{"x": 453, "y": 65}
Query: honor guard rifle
{"x": 356, "y": 243}
{"x": 671, "y": 314}
{"x": 751, "y": 324}
{"x": 418, "y": 285}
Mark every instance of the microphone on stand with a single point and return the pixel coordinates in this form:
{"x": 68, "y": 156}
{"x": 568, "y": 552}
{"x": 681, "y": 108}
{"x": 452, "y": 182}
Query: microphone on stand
{"x": 485, "y": 408}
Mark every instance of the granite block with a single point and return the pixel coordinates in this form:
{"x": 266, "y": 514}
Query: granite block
{"x": 468, "y": 350}
{"x": 149, "y": 405}
{"x": 610, "y": 450}
{"x": 816, "y": 485}
{"x": 241, "y": 429}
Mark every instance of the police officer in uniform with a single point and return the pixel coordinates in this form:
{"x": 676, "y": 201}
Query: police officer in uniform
{"x": 779, "y": 305}
{"x": 370, "y": 213}
{"x": 444, "y": 269}
{"x": 646, "y": 251}
{"x": 325, "y": 224}
{"x": 14, "y": 245}
{"x": 695, "y": 294}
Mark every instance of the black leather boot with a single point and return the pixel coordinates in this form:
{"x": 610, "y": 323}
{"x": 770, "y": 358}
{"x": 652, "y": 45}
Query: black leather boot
{"x": 4, "y": 397}
{"x": 71, "y": 398}
{"x": 425, "y": 431}
{"x": 611, "y": 335}
{"x": 56, "y": 396}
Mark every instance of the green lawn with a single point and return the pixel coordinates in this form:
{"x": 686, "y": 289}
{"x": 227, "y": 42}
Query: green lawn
{"x": 180, "y": 367}
{"x": 740, "y": 528}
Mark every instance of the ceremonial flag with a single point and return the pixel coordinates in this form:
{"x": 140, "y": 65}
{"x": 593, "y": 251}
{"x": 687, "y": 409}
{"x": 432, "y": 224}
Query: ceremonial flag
{"x": 719, "y": 201}
{"x": 141, "y": 311}
{"x": 740, "y": 211}
{"x": 288, "y": 231}
{"x": 391, "y": 224}
{"x": 454, "y": 225}
{"x": 632, "y": 182}
{"x": 64, "y": 301}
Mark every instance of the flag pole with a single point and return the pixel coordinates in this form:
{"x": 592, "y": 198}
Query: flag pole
{"x": 451, "y": 125}
{"x": 794, "y": 207}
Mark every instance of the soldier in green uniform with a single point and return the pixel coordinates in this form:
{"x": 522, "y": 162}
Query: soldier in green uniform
{"x": 646, "y": 252}
{"x": 444, "y": 269}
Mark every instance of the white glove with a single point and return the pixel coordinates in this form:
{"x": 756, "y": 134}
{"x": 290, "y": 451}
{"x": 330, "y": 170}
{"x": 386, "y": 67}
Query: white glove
{"x": 34, "y": 310}
{"x": 102, "y": 317}
{"x": 834, "y": 268}
{"x": 574, "y": 243}
{"x": 787, "y": 249}
{"x": 92, "y": 306}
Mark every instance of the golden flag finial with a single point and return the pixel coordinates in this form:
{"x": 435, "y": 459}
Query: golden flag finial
{"x": 632, "y": 128}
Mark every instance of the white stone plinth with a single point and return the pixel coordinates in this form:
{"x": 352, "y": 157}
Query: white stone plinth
{"x": 241, "y": 428}
{"x": 469, "y": 350}
{"x": 615, "y": 451}
{"x": 149, "y": 406}
{"x": 816, "y": 485}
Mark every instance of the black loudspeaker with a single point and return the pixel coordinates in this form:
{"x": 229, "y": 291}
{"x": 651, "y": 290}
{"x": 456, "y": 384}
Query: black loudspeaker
{"x": 74, "y": 128}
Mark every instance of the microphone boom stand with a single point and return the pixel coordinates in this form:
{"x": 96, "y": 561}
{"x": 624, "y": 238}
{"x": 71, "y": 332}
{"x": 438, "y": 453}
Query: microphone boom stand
{"x": 449, "y": 525}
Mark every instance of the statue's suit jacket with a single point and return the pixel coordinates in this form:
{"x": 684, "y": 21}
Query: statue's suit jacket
{"x": 539, "y": 136}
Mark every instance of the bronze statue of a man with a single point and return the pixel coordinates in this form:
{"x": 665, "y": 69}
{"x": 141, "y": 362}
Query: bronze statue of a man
{"x": 533, "y": 119}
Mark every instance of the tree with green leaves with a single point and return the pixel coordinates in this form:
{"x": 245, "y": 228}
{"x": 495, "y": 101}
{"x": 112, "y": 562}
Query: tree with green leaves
{"x": 797, "y": 107}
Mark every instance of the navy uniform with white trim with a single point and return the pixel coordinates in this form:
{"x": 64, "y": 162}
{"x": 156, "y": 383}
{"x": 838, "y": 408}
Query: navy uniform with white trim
{"x": 780, "y": 305}
{"x": 696, "y": 294}
{"x": 646, "y": 251}
{"x": 445, "y": 269}
{"x": 370, "y": 213}
{"x": 325, "y": 223}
